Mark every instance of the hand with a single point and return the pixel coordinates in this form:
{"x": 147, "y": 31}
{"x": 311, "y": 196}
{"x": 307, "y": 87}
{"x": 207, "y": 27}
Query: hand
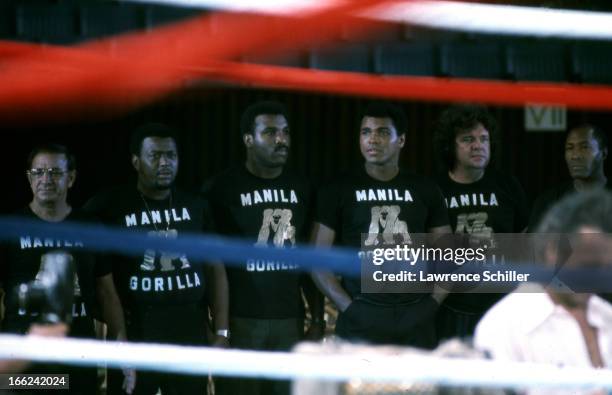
{"x": 129, "y": 380}
{"x": 43, "y": 330}
{"x": 439, "y": 293}
{"x": 219, "y": 341}
{"x": 55, "y": 330}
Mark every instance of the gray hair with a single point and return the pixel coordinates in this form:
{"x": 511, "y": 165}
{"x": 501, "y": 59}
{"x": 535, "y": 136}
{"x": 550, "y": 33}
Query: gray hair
{"x": 592, "y": 208}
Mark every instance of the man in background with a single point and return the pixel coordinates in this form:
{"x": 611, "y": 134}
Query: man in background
{"x": 556, "y": 324}
{"x": 51, "y": 173}
{"x": 165, "y": 294}
{"x": 481, "y": 202}
{"x": 350, "y": 207}
{"x": 586, "y": 149}
{"x": 263, "y": 201}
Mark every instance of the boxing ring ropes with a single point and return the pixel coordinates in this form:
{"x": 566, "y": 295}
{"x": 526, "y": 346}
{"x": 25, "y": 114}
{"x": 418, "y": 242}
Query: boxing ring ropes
{"x": 370, "y": 366}
{"x": 122, "y": 73}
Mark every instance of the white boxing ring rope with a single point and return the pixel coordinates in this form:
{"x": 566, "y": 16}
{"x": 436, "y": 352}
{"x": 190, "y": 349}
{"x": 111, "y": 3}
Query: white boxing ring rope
{"x": 439, "y": 14}
{"x": 280, "y": 365}
{"x": 372, "y": 367}
{"x": 500, "y": 19}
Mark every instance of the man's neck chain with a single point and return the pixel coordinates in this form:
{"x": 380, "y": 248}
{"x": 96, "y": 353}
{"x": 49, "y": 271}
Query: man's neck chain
{"x": 144, "y": 200}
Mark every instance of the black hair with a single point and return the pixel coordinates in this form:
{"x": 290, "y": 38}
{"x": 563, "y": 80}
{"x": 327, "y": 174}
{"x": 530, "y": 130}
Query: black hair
{"x": 598, "y": 134}
{"x": 588, "y": 208}
{"x": 52, "y": 148}
{"x": 152, "y": 129}
{"x": 381, "y": 109}
{"x": 459, "y": 119}
{"x": 247, "y": 122}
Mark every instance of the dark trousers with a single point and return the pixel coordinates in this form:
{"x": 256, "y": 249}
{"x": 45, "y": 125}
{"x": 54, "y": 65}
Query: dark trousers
{"x": 181, "y": 325}
{"x": 460, "y": 313}
{"x": 409, "y": 324}
{"x": 455, "y": 324}
{"x": 263, "y": 335}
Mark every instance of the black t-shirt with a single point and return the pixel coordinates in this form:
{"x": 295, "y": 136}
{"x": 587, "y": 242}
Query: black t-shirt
{"x": 264, "y": 212}
{"x": 21, "y": 263}
{"x": 494, "y": 204}
{"x": 355, "y": 204}
{"x": 546, "y": 200}
{"x": 155, "y": 279}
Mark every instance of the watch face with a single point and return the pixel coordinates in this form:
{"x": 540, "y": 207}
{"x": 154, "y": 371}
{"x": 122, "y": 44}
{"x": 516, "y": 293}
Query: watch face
{"x": 223, "y": 332}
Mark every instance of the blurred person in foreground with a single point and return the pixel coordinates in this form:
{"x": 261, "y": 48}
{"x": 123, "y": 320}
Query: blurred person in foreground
{"x": 555, "y": 324}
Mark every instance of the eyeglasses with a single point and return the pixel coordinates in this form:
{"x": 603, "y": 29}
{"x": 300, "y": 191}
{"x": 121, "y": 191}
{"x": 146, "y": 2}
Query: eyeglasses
{"x": 53, "y": 172}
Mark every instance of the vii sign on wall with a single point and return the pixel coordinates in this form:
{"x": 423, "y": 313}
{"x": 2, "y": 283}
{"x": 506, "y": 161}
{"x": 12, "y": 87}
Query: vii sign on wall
{"x": 543, "y": 118}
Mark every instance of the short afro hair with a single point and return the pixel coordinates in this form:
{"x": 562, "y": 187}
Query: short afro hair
{"x": 151, "y": 129}
{"x": 598, "y": 134}
{"x": 247, "y": 122}
{"x": 382, "y": 109}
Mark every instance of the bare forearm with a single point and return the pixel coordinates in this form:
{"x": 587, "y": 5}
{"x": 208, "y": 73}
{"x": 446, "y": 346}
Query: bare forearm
{"x": 17, "y": 365}
{"x": 220, "y": 297}
{"x": 330, "y": 286}
{"x": 112, "y": 310}
{"x": 115, "y": 321}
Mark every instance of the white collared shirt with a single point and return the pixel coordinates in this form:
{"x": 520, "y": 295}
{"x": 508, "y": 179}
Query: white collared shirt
{"x": 527, "y": 326}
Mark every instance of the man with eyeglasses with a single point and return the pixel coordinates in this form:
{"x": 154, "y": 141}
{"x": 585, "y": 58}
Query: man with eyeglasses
{"x": 51, "y": 173}
{"x": 165, "y": 294}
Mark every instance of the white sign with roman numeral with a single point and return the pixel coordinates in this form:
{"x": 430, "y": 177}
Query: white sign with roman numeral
{"x": 540, "y": 118}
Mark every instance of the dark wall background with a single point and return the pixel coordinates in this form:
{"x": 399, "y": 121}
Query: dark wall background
{"x": 324, "y": 141}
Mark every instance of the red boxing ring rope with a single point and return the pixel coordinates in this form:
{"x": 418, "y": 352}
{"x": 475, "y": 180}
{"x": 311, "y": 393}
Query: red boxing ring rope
{"x": 122, "y": 73}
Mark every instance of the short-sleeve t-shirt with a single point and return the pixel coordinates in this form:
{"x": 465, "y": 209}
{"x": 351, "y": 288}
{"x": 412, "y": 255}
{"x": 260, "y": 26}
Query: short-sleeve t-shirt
{"x": 263, "y": 212}
{"x": 494, "y": 204}
{"x": 357, "y": 204}
{"x": 546, "y": 200}
{"x": 22, "y": 261}
{"x": 156, "y": 278}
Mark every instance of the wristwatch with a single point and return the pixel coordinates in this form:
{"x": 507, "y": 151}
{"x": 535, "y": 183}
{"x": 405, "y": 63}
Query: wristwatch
{"x": 223, "y": 332}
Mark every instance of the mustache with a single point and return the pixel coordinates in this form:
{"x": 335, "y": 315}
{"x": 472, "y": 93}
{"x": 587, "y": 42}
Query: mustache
{"x": 280, "y": 147}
